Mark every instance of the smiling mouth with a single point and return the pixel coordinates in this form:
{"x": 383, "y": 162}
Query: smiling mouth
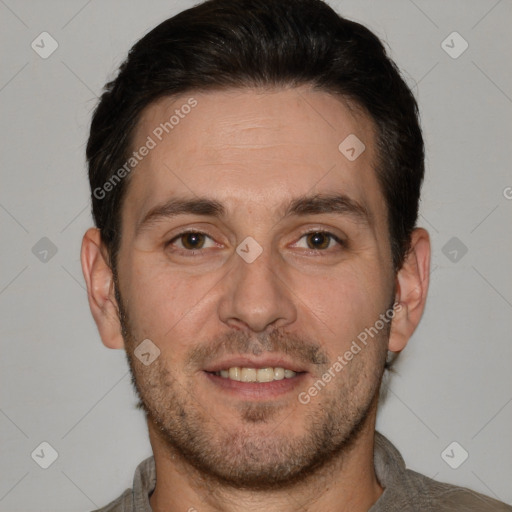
{"x": 269, "y": 374}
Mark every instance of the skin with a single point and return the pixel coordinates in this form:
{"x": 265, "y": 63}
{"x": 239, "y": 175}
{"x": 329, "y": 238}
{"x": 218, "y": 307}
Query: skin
{"x": 254, "y": 151}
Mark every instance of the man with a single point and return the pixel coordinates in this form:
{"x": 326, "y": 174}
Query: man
{"x": 255, "y": 171}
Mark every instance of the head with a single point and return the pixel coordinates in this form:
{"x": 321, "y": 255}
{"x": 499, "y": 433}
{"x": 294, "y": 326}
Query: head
{"x": 255, "y": 171}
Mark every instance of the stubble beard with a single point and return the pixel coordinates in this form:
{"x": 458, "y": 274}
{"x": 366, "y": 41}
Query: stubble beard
{"x": 255, "y": 452}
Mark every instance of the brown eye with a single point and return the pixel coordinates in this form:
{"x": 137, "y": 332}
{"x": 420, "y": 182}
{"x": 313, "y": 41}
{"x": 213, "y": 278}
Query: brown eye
{"x": 191, "y": 244}
{"x": 318, "y": 240}
{"x": 192, "y": 240}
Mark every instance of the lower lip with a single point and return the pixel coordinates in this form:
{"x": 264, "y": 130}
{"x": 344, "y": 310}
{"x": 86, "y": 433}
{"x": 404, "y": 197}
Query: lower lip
{"x": 257, "y": 390}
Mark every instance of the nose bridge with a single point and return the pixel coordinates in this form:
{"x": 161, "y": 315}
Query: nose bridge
{"x": 254, "y": 295}
{"x": 254, "y": 263}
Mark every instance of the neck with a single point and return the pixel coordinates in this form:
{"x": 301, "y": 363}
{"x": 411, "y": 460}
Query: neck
{"x": 346, "y": 483}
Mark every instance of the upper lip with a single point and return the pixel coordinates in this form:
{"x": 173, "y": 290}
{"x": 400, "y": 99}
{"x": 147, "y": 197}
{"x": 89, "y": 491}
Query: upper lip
{"x": 251, "y": 362}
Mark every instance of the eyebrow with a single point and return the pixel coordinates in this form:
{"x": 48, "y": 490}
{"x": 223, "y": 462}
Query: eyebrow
{"x": 338, "y": 204}
{"x": 317, "y": 204}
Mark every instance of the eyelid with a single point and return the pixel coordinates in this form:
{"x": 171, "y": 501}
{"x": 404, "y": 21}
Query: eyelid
{"x": 327, "y": 231}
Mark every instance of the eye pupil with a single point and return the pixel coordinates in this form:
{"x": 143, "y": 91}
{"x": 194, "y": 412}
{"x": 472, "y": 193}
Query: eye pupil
{"x": 193, "y": 240}
{"x": 319, "y": 240}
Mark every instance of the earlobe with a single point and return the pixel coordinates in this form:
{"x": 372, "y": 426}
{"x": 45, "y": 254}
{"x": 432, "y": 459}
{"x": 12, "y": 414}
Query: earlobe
{"x": 100, "y": 289}
{"x": 412, "y": 282}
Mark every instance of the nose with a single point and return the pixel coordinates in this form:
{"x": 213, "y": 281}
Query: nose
{"x": 256, "y": 295}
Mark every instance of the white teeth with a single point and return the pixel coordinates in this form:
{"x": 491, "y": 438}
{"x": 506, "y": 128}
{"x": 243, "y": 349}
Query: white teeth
{"x": 278, "y": 373}
{"x": 256, "y": 374}
{"x": 265, "y": 375}
{"x": 234, "y": 373}
{"x": 248, "y": 375}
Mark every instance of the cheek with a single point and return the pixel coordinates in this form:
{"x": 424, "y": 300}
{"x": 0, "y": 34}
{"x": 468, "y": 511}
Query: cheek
{"x": 344, "y": 303}
{"x": 162, "y": 303}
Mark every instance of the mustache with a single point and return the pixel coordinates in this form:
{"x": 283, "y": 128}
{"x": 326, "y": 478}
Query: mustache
{"x": 237, "y": 342}
{"x": 299, "y": 348}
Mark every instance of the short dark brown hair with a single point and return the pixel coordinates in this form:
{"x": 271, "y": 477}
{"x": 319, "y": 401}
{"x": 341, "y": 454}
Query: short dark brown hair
{"x": 261, "y": 43}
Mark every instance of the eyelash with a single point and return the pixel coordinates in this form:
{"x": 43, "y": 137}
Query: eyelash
{"x": 197, "y": 252}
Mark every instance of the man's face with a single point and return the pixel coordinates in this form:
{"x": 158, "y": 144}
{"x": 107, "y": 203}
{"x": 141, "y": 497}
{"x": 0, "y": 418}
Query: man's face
{"x": 302, "y": 301}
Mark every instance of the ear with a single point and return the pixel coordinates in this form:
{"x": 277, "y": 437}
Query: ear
{"x": 100, "y": 289}
{"x": 411, "y": 290}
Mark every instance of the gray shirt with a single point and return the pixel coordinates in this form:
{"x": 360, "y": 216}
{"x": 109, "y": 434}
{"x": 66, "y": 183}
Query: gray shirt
{"x": 404, "y": 490}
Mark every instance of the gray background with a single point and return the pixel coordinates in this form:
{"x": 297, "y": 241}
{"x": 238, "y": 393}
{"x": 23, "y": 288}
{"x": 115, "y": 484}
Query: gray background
{"x": 60, "y": 385}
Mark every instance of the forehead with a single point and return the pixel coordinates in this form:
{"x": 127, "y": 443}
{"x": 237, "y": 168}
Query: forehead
{"x": 252, "y": 146}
